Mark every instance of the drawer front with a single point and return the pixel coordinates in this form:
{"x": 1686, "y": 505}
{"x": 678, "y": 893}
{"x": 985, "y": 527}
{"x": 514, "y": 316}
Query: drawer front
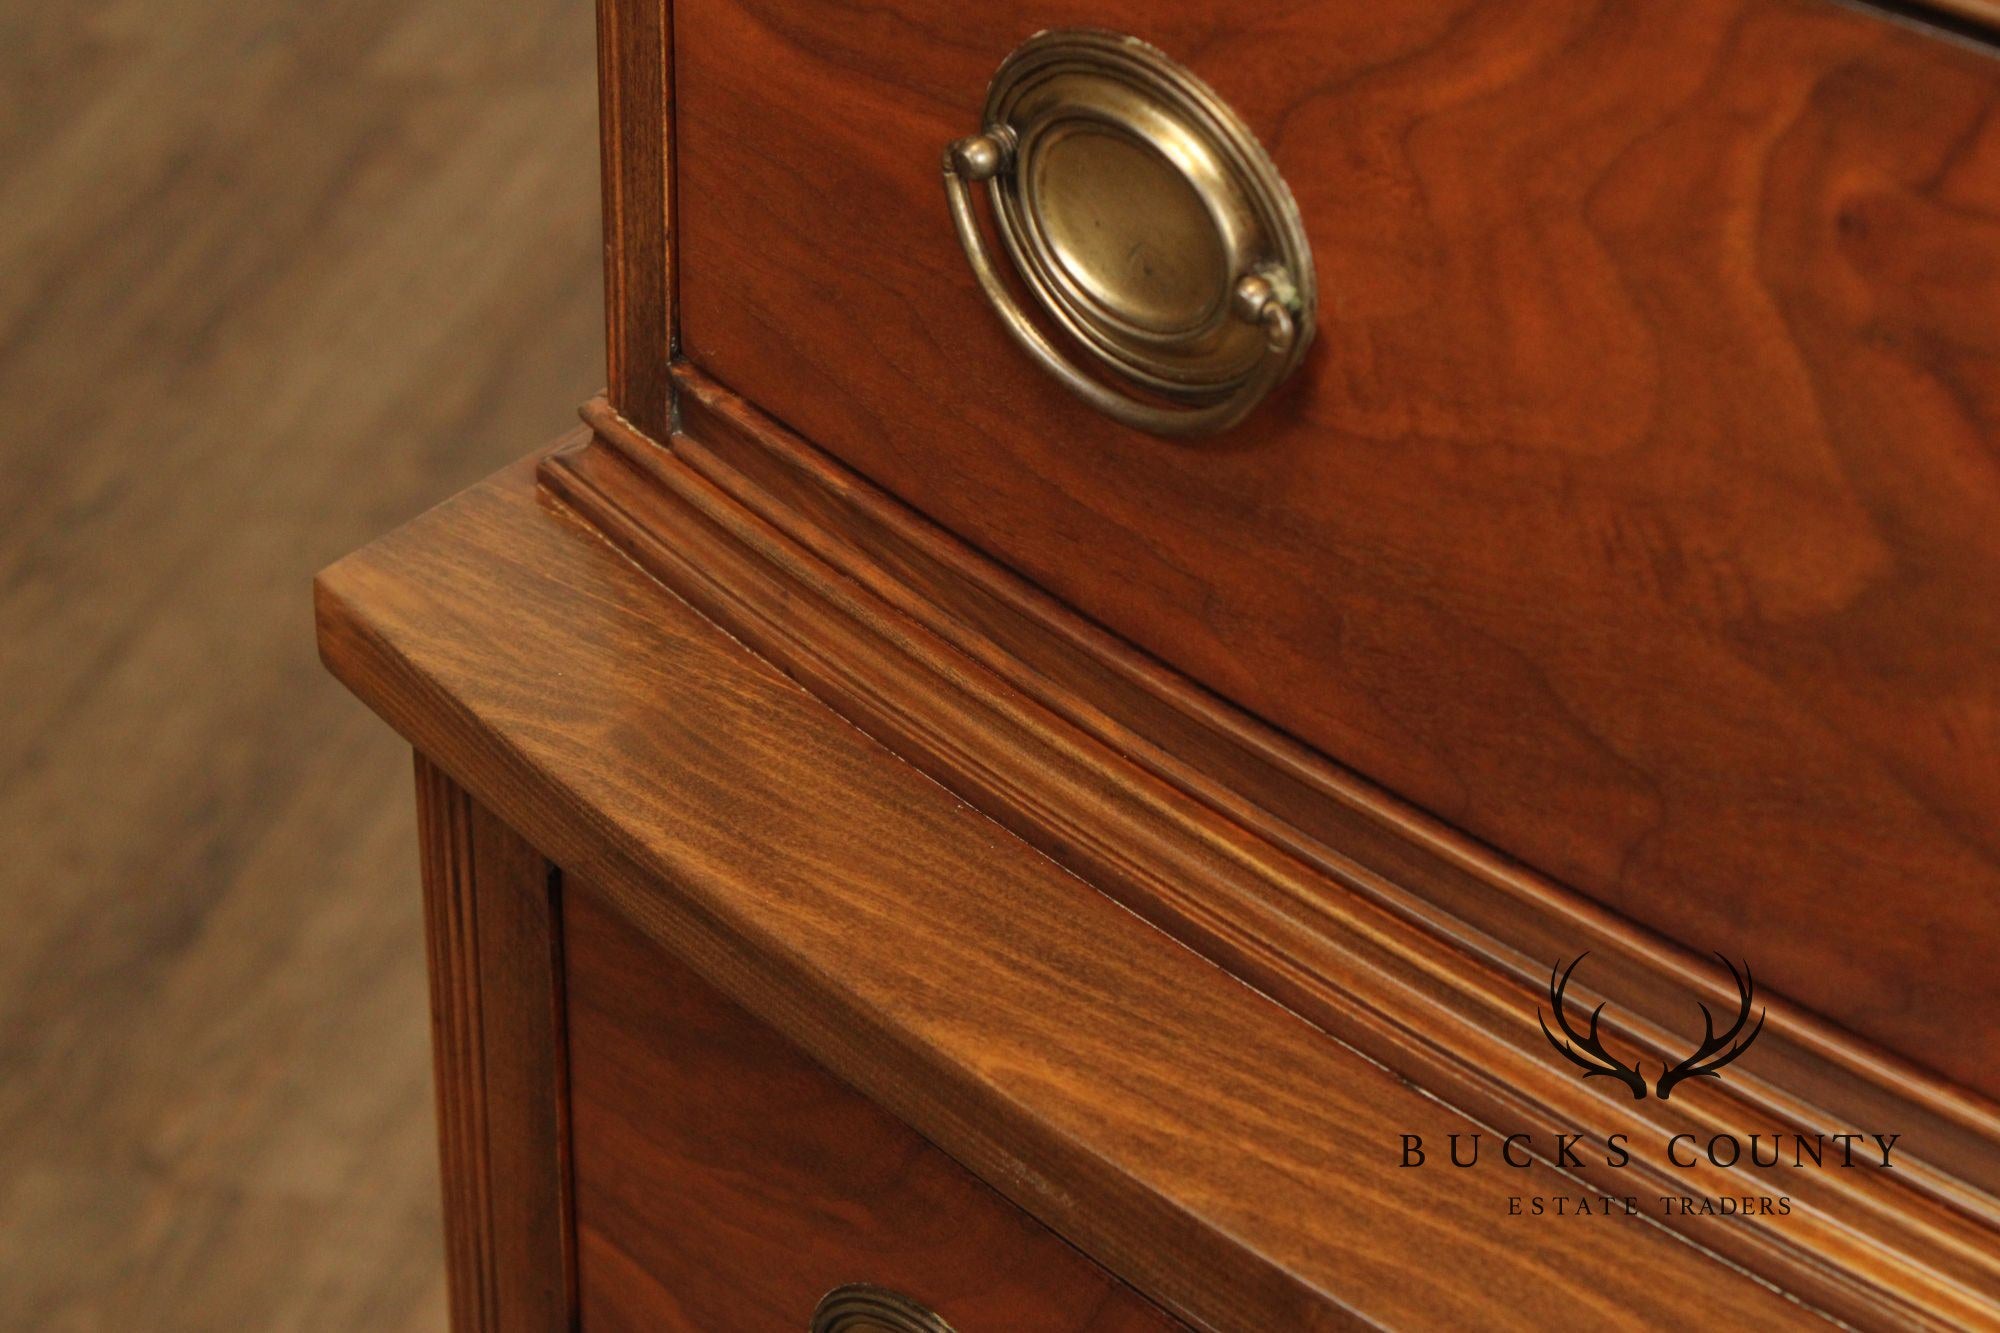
{"x": 1635, "y": 507}
{"x": 724, "y": 1181}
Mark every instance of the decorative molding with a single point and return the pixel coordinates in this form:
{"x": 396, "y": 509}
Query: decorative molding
{"x": 1392, "y": 932}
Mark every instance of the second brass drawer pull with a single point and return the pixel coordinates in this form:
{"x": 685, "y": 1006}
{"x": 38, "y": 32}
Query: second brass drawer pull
{"x": 1147, "y": 222}
{"x": 861, "y": 1307}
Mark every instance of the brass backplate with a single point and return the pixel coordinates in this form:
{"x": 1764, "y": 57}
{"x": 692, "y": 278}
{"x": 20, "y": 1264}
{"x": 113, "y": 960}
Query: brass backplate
{"x": 1135, "y": 205}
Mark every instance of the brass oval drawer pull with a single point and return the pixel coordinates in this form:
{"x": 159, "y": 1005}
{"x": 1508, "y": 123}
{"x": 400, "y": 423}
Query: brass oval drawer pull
{"x": 861, "y": 1308}
{"x": 1148, "y": 223}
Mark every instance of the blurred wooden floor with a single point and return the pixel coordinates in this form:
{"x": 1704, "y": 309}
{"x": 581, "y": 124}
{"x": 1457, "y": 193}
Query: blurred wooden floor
{"x": 274, "y": 275}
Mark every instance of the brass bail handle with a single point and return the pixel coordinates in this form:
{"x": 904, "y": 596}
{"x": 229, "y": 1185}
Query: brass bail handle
{"x": 863, "y": 1307}
{"x": 980, "y": 157}
{"x": 1152, "y": 231}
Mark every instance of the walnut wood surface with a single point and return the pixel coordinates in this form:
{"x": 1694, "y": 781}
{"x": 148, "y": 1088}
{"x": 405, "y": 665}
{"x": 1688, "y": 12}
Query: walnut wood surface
{"x": 1396, "y": 935}
{"x": 724, "y": 1181}
{"x": 1214, "y": 1150}
{"x": 634, "y": 82}
{"x": 493, "y": 925}
{"x": 1634, "y": 510}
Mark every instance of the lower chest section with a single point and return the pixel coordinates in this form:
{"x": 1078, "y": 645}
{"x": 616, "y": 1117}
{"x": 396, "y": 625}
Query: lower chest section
{"x": 723, "y": 1180}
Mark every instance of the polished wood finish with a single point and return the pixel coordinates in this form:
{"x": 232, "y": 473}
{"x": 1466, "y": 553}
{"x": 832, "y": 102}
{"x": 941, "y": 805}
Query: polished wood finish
{"x": 1633, "y": 510}
{"x": 493, "y": 924}
{"x": 1350, "y": 908}
{"x": 635, "y": 85}
{"x": 724, "y": 1181}
{"x": 1203, "y": 1143}
{"x": 853, "y": 795}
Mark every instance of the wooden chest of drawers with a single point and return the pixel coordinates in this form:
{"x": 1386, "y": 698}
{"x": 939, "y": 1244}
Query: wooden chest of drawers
{"x": 906, "y": 829}
{"x": 1644, "y": 460}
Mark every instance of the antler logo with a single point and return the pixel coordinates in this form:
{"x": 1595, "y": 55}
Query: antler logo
{"x": 1586, "y": 1050}
{"x": 1715, "y": 1052}
{"x": 1594, "y": 1060}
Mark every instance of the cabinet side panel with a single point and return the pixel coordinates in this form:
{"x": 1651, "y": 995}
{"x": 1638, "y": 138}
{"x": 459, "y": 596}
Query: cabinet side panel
{"x": 492, "y": 924}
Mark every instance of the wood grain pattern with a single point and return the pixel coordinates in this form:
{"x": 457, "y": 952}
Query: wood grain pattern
{"x": 1634, "y": 509}
{"x": 687, "y": 1108}
{"x": 493, "y": 926}
{"x": 1397, "y": 936}
{"x": 274, "y": 276}
{"x": 1214, "y": 1150}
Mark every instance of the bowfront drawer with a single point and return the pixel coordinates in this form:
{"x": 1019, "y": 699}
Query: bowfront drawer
{"x": 1631, "y": 507}
{"x": 724, "y": 1181}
